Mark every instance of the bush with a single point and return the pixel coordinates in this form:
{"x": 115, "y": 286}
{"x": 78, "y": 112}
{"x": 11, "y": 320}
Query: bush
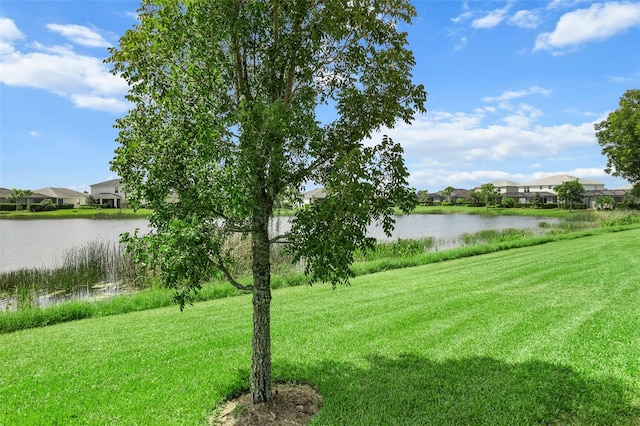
{"x": 508, "y": 202}
{"x": 66, "y": 206}
{"x": 8, "y": 207}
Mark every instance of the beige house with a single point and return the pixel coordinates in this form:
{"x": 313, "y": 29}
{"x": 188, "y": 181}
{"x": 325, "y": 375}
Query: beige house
{"x": 550, "y": 183}
{"x": 110, "y": 193}
{"x": 314, "y": 195}
{"x": 61, "y": 196}
{"x": 503, "y": 186}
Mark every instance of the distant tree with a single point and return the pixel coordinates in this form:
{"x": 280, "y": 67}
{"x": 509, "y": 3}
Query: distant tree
{"x": 16, "y": 195}
{"x": 471, "y": 199}
{"x": 537, "y": 201}
{"x": 447, "y": 192}
{"x": 570, "y": 191}
{"x": 224, "y": 98}
{"x": 508, "y": 202}
{"x": 27, "y": 193}
{"x": 422, "y": 196}
{"x": 619, "y": 137}
{"x": 488, "y": 193}
{"x": 605, "y": 202}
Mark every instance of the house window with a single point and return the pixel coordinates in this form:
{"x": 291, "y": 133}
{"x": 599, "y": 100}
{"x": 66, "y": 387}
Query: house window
{"x": 526, "y": 189}
{"x": 541, "y": 187}
{"x": 116, "y": 190}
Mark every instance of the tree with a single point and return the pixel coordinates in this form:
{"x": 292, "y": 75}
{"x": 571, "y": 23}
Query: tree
{"x": 487, "y": 193}
{"x": 471, "y": 199}
{"x": 619, "y": 137}
{"x": 422, "y": 196}
{"x": 225, "y": 97}
{"x": 27, "y": 193}
{"x": 17, "y": 194}
{"x": 447, "y": 192}
{"x": 605, "y": 202}
{"x": 536, "y": 200}
{"x": 571, "y": 191}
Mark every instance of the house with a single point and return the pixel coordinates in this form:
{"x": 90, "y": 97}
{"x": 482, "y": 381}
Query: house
{"x": 545, "y": 189}
{"x": 455, "y": 195}
{"x": 550, "y": 183}
{"x": 503, "y": 186}
{"x": 5, "y": 195}
{"x": 618, "y": 195}
{"x": 61, "y": 196}
{"x": 109, "y": 193}
{"x": 314, "y": 195}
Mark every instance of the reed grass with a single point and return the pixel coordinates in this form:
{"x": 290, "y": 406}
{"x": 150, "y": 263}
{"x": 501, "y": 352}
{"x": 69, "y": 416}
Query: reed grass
{"x": 82, "y": 268}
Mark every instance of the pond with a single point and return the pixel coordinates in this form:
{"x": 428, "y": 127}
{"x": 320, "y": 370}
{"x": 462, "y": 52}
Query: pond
{"x": 43, "y": 243}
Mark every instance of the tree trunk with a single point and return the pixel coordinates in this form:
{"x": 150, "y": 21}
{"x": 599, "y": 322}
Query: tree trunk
{"x": 261, "y": 357}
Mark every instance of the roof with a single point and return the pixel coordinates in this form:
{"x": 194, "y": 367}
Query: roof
{"x": 456, "y": 192}
{"x": 315, "y": 193}
{"x": 503, "y": 183}
{"x": 560, "y": 179}
{"x": 108, "y": 182}
{"x": 60, "y": 192}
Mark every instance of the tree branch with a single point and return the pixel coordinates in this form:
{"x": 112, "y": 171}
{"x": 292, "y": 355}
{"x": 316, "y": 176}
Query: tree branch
{"x": 231, "y": 280}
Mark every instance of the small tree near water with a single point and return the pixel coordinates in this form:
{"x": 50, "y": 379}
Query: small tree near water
{"x": 570, "y": 192}
{"x": 225, "y": 122}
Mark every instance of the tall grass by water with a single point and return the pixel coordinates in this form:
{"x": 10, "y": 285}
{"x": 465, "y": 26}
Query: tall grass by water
{"x": 81, "y": 270}
{"x": 535, "y": 336}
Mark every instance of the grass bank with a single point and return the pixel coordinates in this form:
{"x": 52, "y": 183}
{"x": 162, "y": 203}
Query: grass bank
{"x": 538, "y": 335}
{"x": 78, "y": 214}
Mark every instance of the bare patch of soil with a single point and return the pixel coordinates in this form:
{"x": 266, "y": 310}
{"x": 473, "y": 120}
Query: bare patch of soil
{"x": 292, "y": 405}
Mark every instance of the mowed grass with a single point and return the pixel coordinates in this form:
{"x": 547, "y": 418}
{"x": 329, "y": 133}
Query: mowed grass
{"x": 537, "y": 335}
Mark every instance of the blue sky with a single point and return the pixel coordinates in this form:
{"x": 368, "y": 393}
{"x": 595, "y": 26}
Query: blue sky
{"x": 514, "y": 89}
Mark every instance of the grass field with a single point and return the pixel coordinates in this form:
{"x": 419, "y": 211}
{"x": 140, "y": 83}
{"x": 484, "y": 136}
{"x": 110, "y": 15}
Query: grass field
{"x": 537, "y": 335}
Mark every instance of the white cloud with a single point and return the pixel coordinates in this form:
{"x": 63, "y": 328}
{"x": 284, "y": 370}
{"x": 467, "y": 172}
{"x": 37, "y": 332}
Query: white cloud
{"x": 491, "y": 19}
{"x": 99, "y": 103}
{"x": 35, "y": 134}
{"x": 80, "y": 35}
{"x": 528, "y": 19}
{"x": 466, "y": 149}
{"x": 464, "y": 15}
{"x": 85, "y": 80}
{"x": 9, "y": 33}
{"x": 513, "y": 94}
{"x": 461, "y": 44}
{"x": 598, "y": 22}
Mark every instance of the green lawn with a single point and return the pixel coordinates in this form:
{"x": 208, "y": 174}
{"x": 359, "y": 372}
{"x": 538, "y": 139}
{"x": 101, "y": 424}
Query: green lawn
{"x": 537, "y": 335}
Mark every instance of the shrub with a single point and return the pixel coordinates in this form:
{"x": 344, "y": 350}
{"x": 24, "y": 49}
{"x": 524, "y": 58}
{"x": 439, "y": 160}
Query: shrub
{"x": 7, "y": 207}
{"x": 508, "y": 202}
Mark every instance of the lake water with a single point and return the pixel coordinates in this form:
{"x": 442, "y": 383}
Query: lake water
{"x": 43, "y": 243}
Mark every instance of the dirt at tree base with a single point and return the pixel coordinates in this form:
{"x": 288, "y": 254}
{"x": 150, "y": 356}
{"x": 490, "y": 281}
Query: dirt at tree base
{"x": 292, "y": 405}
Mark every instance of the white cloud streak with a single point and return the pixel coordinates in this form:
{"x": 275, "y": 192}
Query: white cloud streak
{"x": 514, "y": 94}
{"x": 79, "y": 34}
{"x": 598, "y": 22}
{"x": 528, "y": 19}
{"x": 492, "y": 19}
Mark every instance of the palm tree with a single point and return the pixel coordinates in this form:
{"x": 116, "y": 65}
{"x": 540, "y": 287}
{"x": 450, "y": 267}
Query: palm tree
{"x": 447, "y": 192}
